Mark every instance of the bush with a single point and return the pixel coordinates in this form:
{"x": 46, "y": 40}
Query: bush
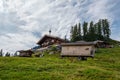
{"x": 53, "y": 48}
{"x": 38, "y": 54}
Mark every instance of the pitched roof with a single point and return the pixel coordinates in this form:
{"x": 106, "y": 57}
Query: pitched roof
{"x": 49, "y": 36}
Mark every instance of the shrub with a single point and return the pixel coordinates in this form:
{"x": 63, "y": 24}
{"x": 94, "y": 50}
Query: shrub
{"x": 38, "y": 54}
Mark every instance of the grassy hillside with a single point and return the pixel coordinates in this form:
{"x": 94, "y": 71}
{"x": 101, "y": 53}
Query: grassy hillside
{"x": 114, "y": 42}
{"x": 105, "y": 66}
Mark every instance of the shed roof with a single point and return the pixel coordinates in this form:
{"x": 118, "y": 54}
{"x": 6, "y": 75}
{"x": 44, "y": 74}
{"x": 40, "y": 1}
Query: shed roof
{"x": 79, "y": 44}
{"x": 49, "y": 36}
{"x": 25, "y": 51}
{"x": 99, "y": 41}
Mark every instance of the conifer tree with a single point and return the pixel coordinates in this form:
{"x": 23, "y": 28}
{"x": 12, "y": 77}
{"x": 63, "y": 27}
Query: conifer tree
{"x": 107, "y": 27}
{"x": 79, "y": 32}
{"x": 7, "y": 54}
{"x": 15, "y": 54}
{"x": 103, "y": 27}
{"x": 100, "y": 30}
{"x": 1, "y": 53}
{"x": 96, "y": 31}
{"x": 91, "y": 34}
{"x": 71, "y": 36}
{"x": 74, "y": 33}
{"x": 85, "y": 30}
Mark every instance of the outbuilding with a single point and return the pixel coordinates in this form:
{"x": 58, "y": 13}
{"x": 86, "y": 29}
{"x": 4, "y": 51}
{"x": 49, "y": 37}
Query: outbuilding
{"x": 103, "y": 44}
{"x": 78, "y": 49}
{"x": 25, "y": 53}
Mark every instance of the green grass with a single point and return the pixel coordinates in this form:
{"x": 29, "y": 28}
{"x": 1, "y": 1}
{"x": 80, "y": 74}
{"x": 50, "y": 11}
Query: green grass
{"x": 105, "y": 66}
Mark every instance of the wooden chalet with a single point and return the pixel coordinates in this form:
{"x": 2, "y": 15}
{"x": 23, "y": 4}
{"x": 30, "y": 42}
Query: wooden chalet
{"x": 47, "y": 40}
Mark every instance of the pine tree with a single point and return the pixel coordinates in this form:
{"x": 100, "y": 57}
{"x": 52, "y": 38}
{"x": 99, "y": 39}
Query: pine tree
{"x": 7, "y": 54}
{"x": 100, "y": 30}
{"x": 74, "y": 33}
{"x": 91, "y": 34}
{"x": 106, "y": 29}
{"x": 79, "y": 32}
{"x": 108, "y": 32}
{"x": 96, "y": 31}
{"x": 103, "y": 27}
{"x": 71, "y": 32}
{"x": 1, "y": 53}
{"x": 15, "y": 54}
{"x": 85, "y": 30}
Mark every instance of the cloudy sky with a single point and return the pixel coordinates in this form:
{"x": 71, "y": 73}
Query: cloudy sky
{"x": 23, "y": 22}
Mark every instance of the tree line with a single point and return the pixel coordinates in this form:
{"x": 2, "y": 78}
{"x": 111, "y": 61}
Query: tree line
{"x": 92, "y": 31}
{"x": 7, "y": 54}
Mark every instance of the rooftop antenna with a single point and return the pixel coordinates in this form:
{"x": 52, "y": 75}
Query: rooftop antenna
{"x": 65, "y": 37}
{"x": 50, "y": 32}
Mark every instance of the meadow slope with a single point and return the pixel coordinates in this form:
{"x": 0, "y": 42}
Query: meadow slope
{"x": 105, "y": 66}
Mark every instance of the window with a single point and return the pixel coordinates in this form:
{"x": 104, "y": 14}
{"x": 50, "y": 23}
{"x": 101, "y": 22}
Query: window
{"x": 87, "y": 49}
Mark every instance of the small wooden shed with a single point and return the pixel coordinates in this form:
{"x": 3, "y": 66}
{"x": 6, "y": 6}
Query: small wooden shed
{"x": 82, "y": 49}
{"x": 25, "y": 53}
{"x": 103, "y": 44}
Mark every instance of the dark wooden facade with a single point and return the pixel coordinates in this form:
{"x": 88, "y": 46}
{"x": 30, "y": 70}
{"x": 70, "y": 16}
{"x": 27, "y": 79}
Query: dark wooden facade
{"x": 25, "y": 53}
{"x": 49, "y": 40}
{"x": 102, "y": 44}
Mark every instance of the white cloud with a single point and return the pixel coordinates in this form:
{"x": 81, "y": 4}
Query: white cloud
{"x": 15, "y": 42}
{"x": 22, "y": 21}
